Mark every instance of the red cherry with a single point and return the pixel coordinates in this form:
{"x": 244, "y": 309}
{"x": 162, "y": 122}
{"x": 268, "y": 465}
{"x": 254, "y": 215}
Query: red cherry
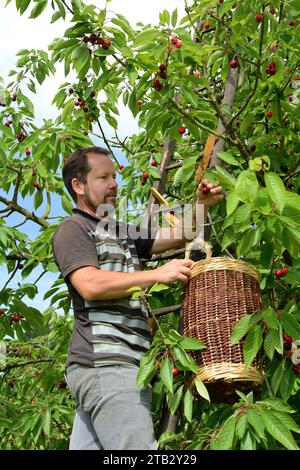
{"x": 269, "y": 114}
{"x": 238, "y": 122}
{"x": 145, "y": 174}
{"x": 139, "y": 103}
{"x": 271, "y": 69}
{"x": 181, "y": 130}
{"x": 175, "y": 372}
{"x": 233, "y": 63}
{"x": 163, "y": 66}
{"x": 90, "y": 119}
{"x": 272, "y": 11}
{"x": 121, "y": 166}
{"x": 16, "y": 318}
{"x": 153, "y": 163}
{"x": 143, "y": 181}
{"x": 292, "y": 23}
{"x": 206, "y": 25}
{"x": 287, "y": 339}
{"x": 174, "y": 40}
{"x": 162, "y": 73}
{"x": 178, "y": 45}
{"x": 35, "y": 184}
{"x": 196, "y": 74}
{"x": 205, "y": 190}
{"x": 77, "y": 103}
{"x": 1, "y": 312}
{"x": 71, "y": 90}
{"x": 106, "y": 43}
{"x": 281, "y": 272}
{"x": 221, "y": 1}
{"x": 157, "y": 85}
{"x": 259, "y": 17}
{"x": 27, "y": 151}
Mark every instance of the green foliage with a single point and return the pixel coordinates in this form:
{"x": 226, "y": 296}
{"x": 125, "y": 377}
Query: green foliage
{"x": 258, "y": 221}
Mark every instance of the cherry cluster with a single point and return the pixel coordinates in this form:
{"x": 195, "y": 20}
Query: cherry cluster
{"x": 97, "y": 39}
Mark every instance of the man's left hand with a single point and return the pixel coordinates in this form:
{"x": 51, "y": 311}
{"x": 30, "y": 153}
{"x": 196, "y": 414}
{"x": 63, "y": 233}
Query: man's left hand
{"x": 209, "y": 193}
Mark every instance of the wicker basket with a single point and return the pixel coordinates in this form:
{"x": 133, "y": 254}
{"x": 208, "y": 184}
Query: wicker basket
{"x": 220, "y": 292}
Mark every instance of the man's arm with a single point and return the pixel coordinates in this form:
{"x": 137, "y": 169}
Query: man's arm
{"x": 169, "y": 238}
{"x": 95, "y": 284}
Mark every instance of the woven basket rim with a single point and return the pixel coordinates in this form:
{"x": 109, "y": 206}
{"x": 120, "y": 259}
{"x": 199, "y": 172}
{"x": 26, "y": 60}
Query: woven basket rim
{"x": 220, "y": 263}
{"x": 230, "y": 372}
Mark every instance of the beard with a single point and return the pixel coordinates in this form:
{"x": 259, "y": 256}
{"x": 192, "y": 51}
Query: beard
{"x": 104, "y": 208}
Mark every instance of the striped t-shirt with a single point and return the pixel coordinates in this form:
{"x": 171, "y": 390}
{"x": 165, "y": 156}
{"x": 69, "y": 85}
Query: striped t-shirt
{"x": 106, "y": 332}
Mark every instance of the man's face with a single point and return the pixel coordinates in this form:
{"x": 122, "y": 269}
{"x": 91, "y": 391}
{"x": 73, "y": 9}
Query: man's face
{"x": 100, "y": 187}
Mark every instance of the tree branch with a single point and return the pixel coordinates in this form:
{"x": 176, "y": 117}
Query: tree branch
{"x": 29, "y": 215}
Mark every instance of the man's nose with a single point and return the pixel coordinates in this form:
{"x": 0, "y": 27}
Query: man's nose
{"x": 113, "y": 183}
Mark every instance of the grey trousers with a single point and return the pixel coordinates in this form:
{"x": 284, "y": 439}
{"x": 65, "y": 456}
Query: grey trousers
{"x": 111, "y": 413}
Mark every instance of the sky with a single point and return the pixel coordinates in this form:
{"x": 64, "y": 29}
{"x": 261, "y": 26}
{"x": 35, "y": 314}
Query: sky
{"x": 19, "y": 32}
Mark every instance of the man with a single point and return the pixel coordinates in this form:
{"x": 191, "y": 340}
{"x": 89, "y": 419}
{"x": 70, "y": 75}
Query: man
{"x": 111, "y": 333}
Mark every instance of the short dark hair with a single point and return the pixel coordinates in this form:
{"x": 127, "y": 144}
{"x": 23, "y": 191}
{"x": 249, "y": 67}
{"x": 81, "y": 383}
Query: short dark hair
{"x": 77, "y": 166}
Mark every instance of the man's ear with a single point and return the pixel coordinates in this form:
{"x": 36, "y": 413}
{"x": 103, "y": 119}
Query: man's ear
{"x": 78, "y": 186}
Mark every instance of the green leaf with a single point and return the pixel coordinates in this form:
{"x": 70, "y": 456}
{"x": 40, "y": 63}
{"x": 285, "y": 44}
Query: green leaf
{"x": 174, "y": 18}
{"x": 192, "y": 343}
{"x": 188, "y": 405}
{"x": 38, "y": 9}
{"x": 67, "y": 204}
{"x": 240, "y": 329}
{"x": 201, "y": 389}
{"x": 276, "y": 189}
{"x": 270, "y": 318}
{"x": 157, "y": 287}
{"x": 255, "y": 420}
{"x": 232, "y": 201}
{"x": 263, "y": 202}
{"x": 175, "y": 400}
{"x": 292, "y": 199}
{"x": 277, "y": 377}
{"x": 252, "y": 345}
{"x": 22, "y": 5}
{"x": 269, "y": 345}
{"x": 287, "y": 382}
{"x": 226, "y": 436}
{"x": 242, "y": 214}
{"x": 228, "y": 237}
{"x": 248, "y": 442}
{"x": 290, "y": 325}
{"x": 226, "y": 178}
{"x": 166, "y": 374}
{"x": 228, "y": 158}
{"x": 146, "y": 37}
{"x": 146, "y": 372}
{"x": 32, "y": 315}
{"x": 278, "y": 430}
{"x": 186, "y": 360}
{"x": 241, "y": 426}
{"x": 246, "y": 186}
{"x": 287, "y": 421}
{"x": 38, "y": 199}
{"x": 277, "y": 404}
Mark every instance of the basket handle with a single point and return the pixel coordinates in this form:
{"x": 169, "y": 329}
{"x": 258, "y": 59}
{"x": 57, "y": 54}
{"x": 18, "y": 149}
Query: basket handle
{"x": 203, "y": 245}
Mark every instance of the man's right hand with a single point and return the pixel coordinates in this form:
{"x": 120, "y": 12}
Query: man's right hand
{"x": 175, "y": 270}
